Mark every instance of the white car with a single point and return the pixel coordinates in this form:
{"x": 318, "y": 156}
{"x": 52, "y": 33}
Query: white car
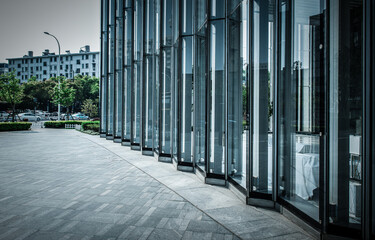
{"x": 29, "y": 117}
{"x": 80, "y": 116}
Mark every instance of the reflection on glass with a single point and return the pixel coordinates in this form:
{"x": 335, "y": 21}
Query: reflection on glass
{"x": 262, "y": 99}
{"x": 148, "y": 91}
{"x": 167, "y": 23}
{"x": 127, "y": 103}
{"x": 186, "y": 16}
{"x": 128, "y": 39}
{"x": 136, "y": 114}
{"x": 301, "y": 102}
{"x": 200, "y": 99}
{"x": 119, "y": 80}
{"x": 217, "y": 9}
{"x": 201, "y": 12}
{"x": 175, "y": 101}
{"x": 186, "y": 99}
{"x": 238, "y": 92}
{"x": 156, "y": 105}
{"x": 217, "y": 98}
{"x": 149, "y": 27}
{"x": 346, "y": 113}
{"x": 165, "y": 117}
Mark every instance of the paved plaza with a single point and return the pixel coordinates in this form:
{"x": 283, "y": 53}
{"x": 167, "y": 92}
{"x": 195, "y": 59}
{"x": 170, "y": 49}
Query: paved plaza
{"x": 63, "y": 184}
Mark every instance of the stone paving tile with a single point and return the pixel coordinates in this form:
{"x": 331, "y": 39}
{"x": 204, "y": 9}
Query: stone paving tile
{"x": 63, "y": 184}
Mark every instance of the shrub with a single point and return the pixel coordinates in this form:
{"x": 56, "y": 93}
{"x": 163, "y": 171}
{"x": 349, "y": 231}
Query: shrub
{"x": 93, "y": 126}
{"x": 60, "y": 124}
{"x": 14, "y": 126}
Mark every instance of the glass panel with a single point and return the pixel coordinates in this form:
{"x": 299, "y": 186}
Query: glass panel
{"x": 103, "y": 96}
{"x": 187, "y": 17}
{"x": 200, "y": 99}
{"x": 186, "y": 95}
{"x": 217, "y": 97}
{"x": 149, "y": 27}
{"x": 136, "y": 113}
{"x": 138, "y": 27}
{"x": 156, "y": 100}
{"x": 167, "y": 23}
{"x": 119, "y": 80}
{"x": 175, "y": 101}
{"x": 232, "y": 4}
{"x": 217, "y": 9}
{"x": 128, "y": 39}
{"x": 165, "y": 112}
{"x": 128, "y": 3}
{"x": 346, "y": 112}
{"x": 175, "y": 20}
{"x": 302, "y": 105}
{"x": 127, "y": 103}
{"x": 238, "y": 92}
{"x": 201, "y": 12}
{"x": 111, "y": 80}
{"x": 262, "y": 89}
{"x": 147, "y": 103}
{"x": 157, "y": 25}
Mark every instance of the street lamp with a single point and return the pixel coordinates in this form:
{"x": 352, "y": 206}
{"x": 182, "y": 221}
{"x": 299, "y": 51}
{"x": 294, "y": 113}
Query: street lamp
{"x": 58, "y": 72}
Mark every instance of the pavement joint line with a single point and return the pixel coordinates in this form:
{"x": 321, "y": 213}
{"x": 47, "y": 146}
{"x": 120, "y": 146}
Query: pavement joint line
{"x": 165, "y": 186}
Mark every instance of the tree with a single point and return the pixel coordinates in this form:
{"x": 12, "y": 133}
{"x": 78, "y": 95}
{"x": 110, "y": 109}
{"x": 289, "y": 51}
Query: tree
{"x": 86, "y": 88}
{"x": 64, "y": 94}
{"x": 11, "y": 91}
{"x": 37, "y": 93}
{"x": 90, "y": 108}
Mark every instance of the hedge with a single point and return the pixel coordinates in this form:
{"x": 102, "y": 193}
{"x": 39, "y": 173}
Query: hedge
{"x": 93, "y": 126}
{"x": 14, "y": 126}
{"x": 60, "y": 124}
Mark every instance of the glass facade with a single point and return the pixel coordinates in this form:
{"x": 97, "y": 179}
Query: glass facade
{"x": 272, "y": 98}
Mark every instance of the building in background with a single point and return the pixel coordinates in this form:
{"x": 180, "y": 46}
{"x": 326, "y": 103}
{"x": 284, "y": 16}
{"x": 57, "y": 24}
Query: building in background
{"x": 273, "y": 98}
{"x": 3, "y": 68}
{"x": 44, "y": 67}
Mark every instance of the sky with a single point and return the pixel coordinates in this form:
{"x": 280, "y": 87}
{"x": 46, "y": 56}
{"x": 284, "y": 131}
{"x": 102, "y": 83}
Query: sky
{"x": 75, "y": 23}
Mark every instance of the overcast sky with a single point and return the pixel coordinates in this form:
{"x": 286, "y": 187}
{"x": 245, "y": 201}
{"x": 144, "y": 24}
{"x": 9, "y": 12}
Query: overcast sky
{"x": 22, "y": 22}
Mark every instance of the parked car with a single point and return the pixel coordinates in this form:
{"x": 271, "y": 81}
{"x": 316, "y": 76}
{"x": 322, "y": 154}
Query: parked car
{"x": 80, "y": 116}
{"x": 29, "y": 117}
{"x": 3, "y": 116}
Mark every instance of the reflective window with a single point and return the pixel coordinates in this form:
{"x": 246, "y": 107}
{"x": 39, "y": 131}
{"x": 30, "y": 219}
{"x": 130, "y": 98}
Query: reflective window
{"x": 217, "y": 9}
{"x": 128, "y": 38}
{"x": 186, "y": 94}
{"x": 217, "y": 98}
{"x": 346, "y": 112}
{"x": 165, "y": 111}
{"x": 186, "y": 17}
{"x": 238, "y": 95}
{"x": 200, "y": 94}
{"x": 138, "y": 27}
{"x": 167, "y": 23}
{"x": 127, "y": 103}
{"x": 201, "y": 12}
{"x": 148, "y": 91}
{"x": 262, "y": 95}
{"x": 301, "y": 103}
{"x": 136, "y": 103}
{"x": 156, "y": 110}
{"x": 149, "y": 27}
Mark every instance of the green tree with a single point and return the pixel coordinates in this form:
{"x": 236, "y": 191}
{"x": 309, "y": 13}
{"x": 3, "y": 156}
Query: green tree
{"x": 87, "y": 88}
{"x": 64, "y": 94}
{"x": 40, "y": 91}
{"x": 90, "y": 108}
{"x": 11, "y": 91}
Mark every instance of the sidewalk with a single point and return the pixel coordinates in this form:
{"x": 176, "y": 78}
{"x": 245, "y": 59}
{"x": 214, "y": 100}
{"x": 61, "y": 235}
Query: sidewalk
{"x": 62, "y": 184}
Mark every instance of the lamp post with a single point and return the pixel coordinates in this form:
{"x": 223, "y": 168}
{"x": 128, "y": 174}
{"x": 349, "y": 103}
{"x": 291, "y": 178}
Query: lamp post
{"x": 58, "y": 72}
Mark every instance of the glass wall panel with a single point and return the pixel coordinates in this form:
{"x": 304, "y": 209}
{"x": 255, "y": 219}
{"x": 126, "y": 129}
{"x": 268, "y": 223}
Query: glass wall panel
{"x": 111, "y": 69}
{"x": 167, "y": 23}
{"x": 156, "y": 99}
{"x": 200, "y": 95}
{"x": 149, "y": 27}
{"x": 217, "y": 9}
{"x": 119, "y": 75}
{"x": 216, "y": 97}
{"x": 301, "y": 103}
{"x": 136, "y": 113}
{"x": 165, "y": 131}
{"x": 187, "y": 17}
{"x": 127, "y": 89}
{"x": 201, "y": 12}
{"x": 104, "y": 67}
{"x": 138, "y": 30}
{"x": 175, "y": 101}
{"x": 186, "y": 97}
{"x": 238, "y": 94}
{"x": 127, "y": 103}
{"x": 346, "y": 112}
{"x": 262, "y": 94}
{"x": 148, "y": 91}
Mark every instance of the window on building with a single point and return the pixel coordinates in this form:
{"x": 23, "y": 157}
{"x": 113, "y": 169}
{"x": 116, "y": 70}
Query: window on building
{"x": 61, "y": 67}
{"x": 26, "y": 69}
{"x": 93, "y": 56}
{"x": 44, "y": 72}
{"x": 23, "y": 69}
{"x": 45, "y": 64}
{"x": 78, "y": 70}
{"x": 19, "y": 65}
{"x": 78, "y": 61}
{"x": 87, "y": 65}
{"x": 87, "y": 56}
{"x": 18, "y": 74}
{"x": 37, "y": 68}
{"x": 83, "y": 57}
{"x": 31, "y": 60}
{"x": 71, "y": 66}
{"x": 93, "y": 74}
{"x": 83, "y": 66}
